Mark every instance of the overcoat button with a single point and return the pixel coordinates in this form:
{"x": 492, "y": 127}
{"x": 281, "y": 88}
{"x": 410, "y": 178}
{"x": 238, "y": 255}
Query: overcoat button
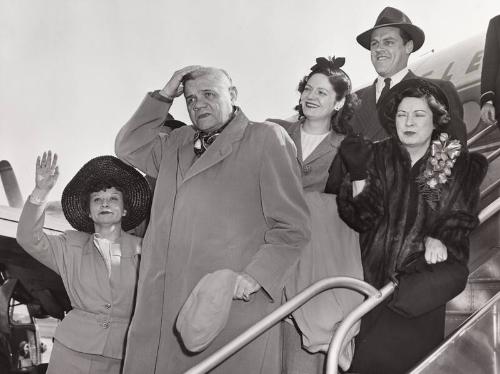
{"x": 306, "y": 169}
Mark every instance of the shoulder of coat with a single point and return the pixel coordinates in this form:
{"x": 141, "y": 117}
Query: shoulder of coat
{"x": 496, "y": 20}
{"x": 266, "y": 131}
{"x": 180, "y": 135}
{"x": 361, "y": 92}
{"x": 77, "y": 237}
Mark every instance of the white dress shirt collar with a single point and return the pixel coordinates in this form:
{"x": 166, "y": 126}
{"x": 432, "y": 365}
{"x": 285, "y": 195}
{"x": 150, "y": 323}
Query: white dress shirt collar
{"x": 395, "y": 79}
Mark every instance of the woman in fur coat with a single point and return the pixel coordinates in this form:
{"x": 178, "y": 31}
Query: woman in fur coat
{"x": 414, "y": 199}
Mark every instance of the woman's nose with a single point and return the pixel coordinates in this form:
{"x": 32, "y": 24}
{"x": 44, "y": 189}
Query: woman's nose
{"x": 311, "y": 94}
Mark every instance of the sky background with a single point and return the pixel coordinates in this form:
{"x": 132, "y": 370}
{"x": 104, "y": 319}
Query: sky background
{"x": 73, "y": 71}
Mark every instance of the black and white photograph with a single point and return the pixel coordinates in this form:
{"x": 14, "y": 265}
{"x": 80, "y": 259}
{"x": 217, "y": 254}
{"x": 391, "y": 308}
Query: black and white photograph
{"x": 254, "y": 187}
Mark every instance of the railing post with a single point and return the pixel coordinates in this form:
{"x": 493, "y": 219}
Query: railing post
{"x": 332, "y": 360}
{"x": 273, "y": 318}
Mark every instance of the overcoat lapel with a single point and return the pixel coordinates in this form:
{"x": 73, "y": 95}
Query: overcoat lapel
{"x": 186, "y": 157}
{"x": 219, "y": 149}
{"x": 296, "y": 137}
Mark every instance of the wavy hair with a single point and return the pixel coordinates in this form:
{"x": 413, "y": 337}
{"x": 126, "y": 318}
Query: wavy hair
{"x": 341, "y": 84}
{"x": 440, "y": 114}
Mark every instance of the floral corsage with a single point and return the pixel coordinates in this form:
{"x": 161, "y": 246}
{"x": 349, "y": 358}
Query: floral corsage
{"x": 444, "y": 154}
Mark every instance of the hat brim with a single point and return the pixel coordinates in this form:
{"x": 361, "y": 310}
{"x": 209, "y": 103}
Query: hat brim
{"x": 109, "y": 169}
{"x": 206, "y": 310}
{"x": 415, "y": 32}
{"x": 387, "y": 106}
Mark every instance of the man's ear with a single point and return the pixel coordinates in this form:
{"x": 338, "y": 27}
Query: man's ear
{"x": 409, "y": 46}
{"x": 233, "y": 93}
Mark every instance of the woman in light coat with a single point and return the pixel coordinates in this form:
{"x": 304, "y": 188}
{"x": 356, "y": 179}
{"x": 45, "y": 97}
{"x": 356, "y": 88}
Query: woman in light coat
{"x": 98, "y": 263}
{"x": 325, "y": 107}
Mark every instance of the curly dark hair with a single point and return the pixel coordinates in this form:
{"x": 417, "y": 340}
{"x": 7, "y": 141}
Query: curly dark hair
{"x": 341, "y": 84}
{"x": 437, "y": 105}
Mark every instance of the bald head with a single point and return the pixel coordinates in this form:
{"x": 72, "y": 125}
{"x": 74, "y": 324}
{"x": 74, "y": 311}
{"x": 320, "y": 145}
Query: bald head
{"x": 210, "y": 97}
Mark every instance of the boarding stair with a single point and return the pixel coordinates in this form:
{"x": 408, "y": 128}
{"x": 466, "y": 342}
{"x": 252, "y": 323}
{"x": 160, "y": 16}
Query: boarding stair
{"x": 472, "y": 318}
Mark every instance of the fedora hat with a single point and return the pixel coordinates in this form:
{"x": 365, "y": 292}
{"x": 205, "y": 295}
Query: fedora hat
{"x": 392, "y": 17}
{"x": 206, "y": 310}
{"x": 388, "y": 105}
{"x": 113, "y": 172}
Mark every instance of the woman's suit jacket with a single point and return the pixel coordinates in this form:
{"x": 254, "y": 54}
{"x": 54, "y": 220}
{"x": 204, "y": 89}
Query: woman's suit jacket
{"x": 315, "y": 167}
{"x": 102, "y": 305}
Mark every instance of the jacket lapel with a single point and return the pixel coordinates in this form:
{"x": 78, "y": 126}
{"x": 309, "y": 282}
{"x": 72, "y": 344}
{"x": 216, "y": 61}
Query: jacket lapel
{"x": 220, "y": 148}
{"x": 332, "y": 141}
{"x": 367, "y": 111}
{"x": 130, "y": 245}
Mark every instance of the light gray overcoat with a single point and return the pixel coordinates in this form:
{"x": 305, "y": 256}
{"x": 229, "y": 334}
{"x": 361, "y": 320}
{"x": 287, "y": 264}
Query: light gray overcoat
{"x": 238, "y": 206}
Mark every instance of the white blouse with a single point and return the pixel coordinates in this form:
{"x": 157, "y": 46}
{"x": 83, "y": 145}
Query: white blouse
{"x": 309, "y": 142}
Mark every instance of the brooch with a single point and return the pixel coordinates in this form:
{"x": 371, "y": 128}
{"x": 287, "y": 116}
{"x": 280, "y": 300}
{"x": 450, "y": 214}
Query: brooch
{"x": 444, "y": 153}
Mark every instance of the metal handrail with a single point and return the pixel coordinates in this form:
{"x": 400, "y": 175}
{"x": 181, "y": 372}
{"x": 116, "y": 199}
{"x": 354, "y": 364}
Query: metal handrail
{"x": 283, "y": 311}
{"x": 489, "y": 211}
{"x": 481, "y": 134}
{"x": 492, "y": 187}
{"x": 467, "y": 325}
{"x": 375, "y": 297}
{"x": 493, "y": 155}
{"x": 349, "y": 321}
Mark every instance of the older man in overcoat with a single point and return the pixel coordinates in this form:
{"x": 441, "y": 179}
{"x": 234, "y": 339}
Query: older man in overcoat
{"x": 391, "y": 41}
{"x": 228, "y": 196}
{"x": 490, "y": 75}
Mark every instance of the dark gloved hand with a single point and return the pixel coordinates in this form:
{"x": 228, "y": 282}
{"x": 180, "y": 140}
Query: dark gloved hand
{"x": 355, "y": 152}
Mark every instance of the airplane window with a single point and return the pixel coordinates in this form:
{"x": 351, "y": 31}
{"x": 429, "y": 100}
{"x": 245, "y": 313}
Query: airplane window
{"x": 19, "y": 313}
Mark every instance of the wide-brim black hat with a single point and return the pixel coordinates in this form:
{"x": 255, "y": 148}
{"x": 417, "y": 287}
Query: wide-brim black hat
{"x": 388, "y": 105}
{"x": 392, "y": 17}
{"x": 112, "y": 171}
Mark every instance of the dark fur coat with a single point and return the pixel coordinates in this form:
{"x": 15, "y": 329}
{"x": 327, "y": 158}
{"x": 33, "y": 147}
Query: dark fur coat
{"x": 394, "y": 217}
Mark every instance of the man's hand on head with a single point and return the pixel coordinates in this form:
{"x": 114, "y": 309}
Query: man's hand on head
{"x": 173, "y": 88}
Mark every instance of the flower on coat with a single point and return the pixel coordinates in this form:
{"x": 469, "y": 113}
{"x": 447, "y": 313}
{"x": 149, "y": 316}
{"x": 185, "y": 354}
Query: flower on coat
{"x": 444, "y": 153}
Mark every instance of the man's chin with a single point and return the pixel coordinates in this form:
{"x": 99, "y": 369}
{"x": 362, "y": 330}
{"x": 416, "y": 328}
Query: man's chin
{"x": 207, "y": 126}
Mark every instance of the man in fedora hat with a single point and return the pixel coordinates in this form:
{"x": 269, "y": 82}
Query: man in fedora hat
{"x": 228, "y": 196}
{"x": 391, "y": 41}
{"x": 490, "y": 75}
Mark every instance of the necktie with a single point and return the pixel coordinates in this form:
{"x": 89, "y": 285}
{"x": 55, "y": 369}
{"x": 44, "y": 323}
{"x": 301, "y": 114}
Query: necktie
{"x": 385, "y": 90}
